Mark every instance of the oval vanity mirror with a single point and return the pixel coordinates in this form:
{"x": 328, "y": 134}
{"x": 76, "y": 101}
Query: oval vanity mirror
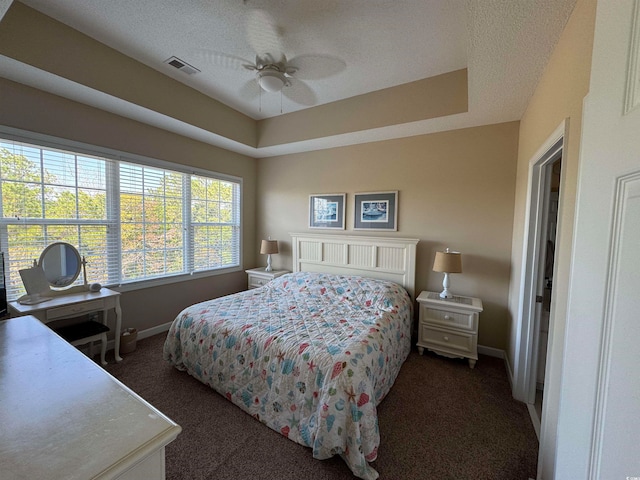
{"x": 61, "y": 263}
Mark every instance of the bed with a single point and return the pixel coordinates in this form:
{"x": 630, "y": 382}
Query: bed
{"x": 312, "y": 353}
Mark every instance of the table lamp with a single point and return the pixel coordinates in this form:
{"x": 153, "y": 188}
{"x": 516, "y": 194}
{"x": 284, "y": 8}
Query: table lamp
{"x": 447, "y": 262}
{"x": 267, "y": 248}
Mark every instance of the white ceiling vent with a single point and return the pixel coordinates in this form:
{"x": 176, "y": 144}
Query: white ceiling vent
{"x": 181, "y": 65}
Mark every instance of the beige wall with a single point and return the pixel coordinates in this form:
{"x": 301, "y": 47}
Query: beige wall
{"x": 432, "y": 97}
{"x": 35, "y": 39}
{"x": 33, "y": 110}
{"x": 558, "y": 96}
{"x": 455, "y": 189}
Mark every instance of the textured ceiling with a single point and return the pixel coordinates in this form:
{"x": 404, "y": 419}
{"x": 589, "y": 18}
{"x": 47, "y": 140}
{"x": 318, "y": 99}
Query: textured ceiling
{"x": 381, "y": 42}
{"x": 504, "y": 44}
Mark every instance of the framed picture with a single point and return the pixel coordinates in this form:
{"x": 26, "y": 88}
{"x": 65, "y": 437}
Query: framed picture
{"x": 327, "y": 211}
{"x": 376, "y": 211}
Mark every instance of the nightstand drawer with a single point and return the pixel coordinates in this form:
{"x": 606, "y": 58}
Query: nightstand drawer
{"x": 75, "y": 309}
{"x": 255, "y": 282}
{"x": 258, "y": 277}
{"x": 463, "y": 321}
{"x": 447, "y": 341}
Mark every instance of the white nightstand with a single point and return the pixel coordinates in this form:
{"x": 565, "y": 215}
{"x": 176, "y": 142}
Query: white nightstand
{"x": 449, "y": 327}
{"x": 257, "y": 277}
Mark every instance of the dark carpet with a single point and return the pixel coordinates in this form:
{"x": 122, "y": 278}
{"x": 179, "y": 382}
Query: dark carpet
{"x": 441, "y": 420}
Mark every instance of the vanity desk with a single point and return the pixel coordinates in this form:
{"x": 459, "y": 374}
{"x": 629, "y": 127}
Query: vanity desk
{"x": 53, "y": 294}
{"x": 73, "y": 304}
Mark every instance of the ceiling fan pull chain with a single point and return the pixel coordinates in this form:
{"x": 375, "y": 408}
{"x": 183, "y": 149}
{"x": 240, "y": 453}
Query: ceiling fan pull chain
{"x": 280, "y": 102}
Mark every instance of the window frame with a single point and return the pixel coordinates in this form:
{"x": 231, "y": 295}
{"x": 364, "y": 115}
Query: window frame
{"x": 80, "y": 148}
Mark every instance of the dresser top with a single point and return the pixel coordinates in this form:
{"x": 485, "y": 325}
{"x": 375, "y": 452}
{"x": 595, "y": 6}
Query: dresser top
{"x": 62, "y": 415}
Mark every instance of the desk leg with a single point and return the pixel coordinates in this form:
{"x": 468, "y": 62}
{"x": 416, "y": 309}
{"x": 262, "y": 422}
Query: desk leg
{"x": 103, "y": 349}
{"x": 116, "y": 350}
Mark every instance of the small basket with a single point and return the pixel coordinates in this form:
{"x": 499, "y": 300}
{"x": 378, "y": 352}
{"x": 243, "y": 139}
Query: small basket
{"x": 128, "y": 340}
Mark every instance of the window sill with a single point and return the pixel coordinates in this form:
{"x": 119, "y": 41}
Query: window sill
{"x": 156, "y": 282}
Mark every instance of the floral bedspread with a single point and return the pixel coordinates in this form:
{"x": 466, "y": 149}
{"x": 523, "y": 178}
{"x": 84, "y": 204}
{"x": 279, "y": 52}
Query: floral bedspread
{"x": 310, "y": 355}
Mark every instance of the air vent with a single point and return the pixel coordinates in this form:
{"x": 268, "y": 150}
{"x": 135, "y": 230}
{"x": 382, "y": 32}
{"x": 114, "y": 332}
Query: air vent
{"x": 181, "y": 65}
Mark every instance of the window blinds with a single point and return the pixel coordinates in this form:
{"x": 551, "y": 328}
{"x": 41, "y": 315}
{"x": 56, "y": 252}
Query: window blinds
{"x": 131, "y": 222}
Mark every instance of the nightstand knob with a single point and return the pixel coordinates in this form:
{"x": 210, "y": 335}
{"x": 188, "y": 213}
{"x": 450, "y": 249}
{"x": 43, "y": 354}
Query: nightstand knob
{"x": 446, "y": 339}
{"x": 447, "y": 317}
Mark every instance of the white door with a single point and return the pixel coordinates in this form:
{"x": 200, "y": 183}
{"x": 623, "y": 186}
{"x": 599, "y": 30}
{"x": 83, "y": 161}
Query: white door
{"x": 599, "y": 415}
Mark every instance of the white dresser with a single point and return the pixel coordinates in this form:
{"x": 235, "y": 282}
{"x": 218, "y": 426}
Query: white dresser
{"x": 449, "y": 327}
{"x": 62, "y": 416}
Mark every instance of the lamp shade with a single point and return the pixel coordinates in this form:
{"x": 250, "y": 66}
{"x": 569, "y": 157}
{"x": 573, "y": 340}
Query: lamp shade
{"x": 449, "y": 262}
{"x": 268, "y": 247}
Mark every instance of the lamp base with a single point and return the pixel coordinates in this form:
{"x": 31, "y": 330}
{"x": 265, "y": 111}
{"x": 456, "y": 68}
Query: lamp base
{"x": 268, "y": 269}
{"x": 445, "y": 287}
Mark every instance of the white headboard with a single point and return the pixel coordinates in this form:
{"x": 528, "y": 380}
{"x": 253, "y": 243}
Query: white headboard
{"x": 385, "y": 258}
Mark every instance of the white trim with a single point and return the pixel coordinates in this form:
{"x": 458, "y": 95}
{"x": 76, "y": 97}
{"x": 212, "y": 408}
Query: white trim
{"x": 168, "y": 280}
{"x": 150, "y": 332}
{"x": 526, "y": 340}
{"x": 626, "y": 187}
{"x": 632, "y": 93}
{"x": 535, "y": 419}
{"x": 50, "y": 141}
{"x": 509, "y": 369}
{"x": 146, "y": 333}
{"x": 491, "y": 352}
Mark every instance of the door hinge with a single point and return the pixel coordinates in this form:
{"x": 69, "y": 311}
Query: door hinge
{"x": 538, "y": 298}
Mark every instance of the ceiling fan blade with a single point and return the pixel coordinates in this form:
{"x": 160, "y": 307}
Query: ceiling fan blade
{"x": 250, "y": 89}
{"x": 300, "y": 92}
{"x": 221, "y": 59}
{"x": 263, "y": 35}
{"x": 315, "y": 67}
{"x": 265, "y": 59}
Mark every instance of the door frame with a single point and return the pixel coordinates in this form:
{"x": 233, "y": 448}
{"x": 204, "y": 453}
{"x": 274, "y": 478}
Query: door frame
{"x": 528, "y": 324}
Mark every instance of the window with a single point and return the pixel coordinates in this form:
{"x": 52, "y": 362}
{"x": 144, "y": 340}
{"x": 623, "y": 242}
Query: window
{"x": 131, "y": 221}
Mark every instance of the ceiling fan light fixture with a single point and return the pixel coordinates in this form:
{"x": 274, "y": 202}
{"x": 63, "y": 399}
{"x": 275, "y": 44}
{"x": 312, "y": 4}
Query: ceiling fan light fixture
{"x": 272, "y": 80}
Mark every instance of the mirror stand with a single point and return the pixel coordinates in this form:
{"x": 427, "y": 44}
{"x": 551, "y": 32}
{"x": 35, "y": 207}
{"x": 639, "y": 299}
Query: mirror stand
{"x": 61, "y": 265}
{"x": 75, "y": 288}
{"x": 68, "y": 291}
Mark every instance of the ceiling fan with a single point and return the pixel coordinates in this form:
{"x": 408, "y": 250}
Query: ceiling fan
{"x": 272, "y": 75}
{"x": 273, "y": 71}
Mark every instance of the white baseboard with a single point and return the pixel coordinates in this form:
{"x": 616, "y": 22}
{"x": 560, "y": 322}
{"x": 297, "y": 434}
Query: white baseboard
{"x": 535, "y": 420}
{"x": 147, "y": 332}
{"x": 507, "y": 365}
{"x": 150, "y": 332}
{"x": 490, "y": 351}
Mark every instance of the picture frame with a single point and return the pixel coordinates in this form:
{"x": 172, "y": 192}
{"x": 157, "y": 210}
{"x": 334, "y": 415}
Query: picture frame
{"x": 376, "y": 211}
{"x": 327, "y": 211}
